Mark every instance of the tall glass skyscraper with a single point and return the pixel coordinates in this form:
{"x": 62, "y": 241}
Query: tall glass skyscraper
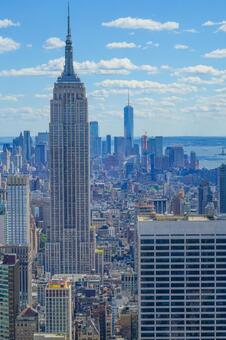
{"x": 222, "y": 188}
{"x": 128, "y": 129}
{"x": 68, "y": 246}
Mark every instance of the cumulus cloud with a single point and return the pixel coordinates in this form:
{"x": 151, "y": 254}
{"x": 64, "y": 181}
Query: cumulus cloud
{"x": 8, "y": 44}
{"x": 24, "y": 113}
{"x": 217, "y": 54}
{"x": 122, "y": 44}
{"x": 10, "y": 97}
{"x": 181, "y": 47}
{"x": 199, "y": 69}
{"x": 105, "y": 66}
{"x": 4, "y": 23}
{"x": 148, "y": 85}
{"x": 209, "y": 23}
{"x": 53, "y": 43}
{"x": 139, "y": 23}
{"x": 152, "y": 44}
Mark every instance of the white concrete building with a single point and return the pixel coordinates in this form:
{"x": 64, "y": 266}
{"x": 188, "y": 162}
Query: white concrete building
{"x": 58, "y": 308}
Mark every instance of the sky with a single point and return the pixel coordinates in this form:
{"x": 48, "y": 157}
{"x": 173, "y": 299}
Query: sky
{"x": 170, "y": 54}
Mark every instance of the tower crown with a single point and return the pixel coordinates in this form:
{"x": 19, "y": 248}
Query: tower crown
{"x": 68, "y": 75}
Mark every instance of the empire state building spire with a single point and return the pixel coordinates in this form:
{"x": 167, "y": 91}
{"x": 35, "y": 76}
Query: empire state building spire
{"x": 68, "y": 74}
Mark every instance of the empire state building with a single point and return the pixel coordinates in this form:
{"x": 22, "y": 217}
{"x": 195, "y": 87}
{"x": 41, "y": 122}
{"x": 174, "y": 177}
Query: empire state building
{"x": 68, "y": 241}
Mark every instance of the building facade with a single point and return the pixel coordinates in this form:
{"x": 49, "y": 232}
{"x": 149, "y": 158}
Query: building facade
{"x": 68, "y": 246}
{"x": 9, "y": 296}
{"x": 18, "y": 210}
{"x": 58, "y": 308}
{"x": 128, "y": 129}
{"x": 182, "y": 279}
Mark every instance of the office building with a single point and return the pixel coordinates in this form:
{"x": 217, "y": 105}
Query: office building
{"x": 128, "y": 129}
{"x": 205, "y": 196}
{"x": 69, "y": 236}
{"x": 27, "y": 144}
{"x": 182, "y": 278}
{"x": 2, "y": 216}
{"x": 26, "y": 324}
{"x": 95, "y": 144}
{"x": 18, "y": 210}
{"x": 24, "y": 256}
{"x": 58, "y": 308}
{"x": 119, "y": 147}
{"x": 108, "y": 144}
{"x": 9, "y": 295}
{"x": 222, "y": 188}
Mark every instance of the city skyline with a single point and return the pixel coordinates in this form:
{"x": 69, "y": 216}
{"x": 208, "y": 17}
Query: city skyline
{"x": 173, "y": 63}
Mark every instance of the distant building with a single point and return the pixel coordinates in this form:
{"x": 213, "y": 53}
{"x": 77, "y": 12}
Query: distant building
{"x": 119, "y": 147}
{"x": 205, "y": 196}
{"x": 58, "y": 308}
{"x": 9, "y": 295}
{"x": 128, "y": 129}
{"x": 108, "y": 144}
{"x": 18, "y": 210}
{"x": 26, "y": 324}
{"x": 27, "y": 143}
{"x": 3, "y": 216}
{"x": 175, "y": 156}
{"x": 222, "y": 188}
{"x": 95, "y": 147}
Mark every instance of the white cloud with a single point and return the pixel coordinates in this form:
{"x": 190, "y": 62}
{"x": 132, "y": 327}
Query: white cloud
{"x": 105, "y": 66}
{"x": 4, "y": 23}
{"x": 53, "y": 42}
{"x": 152, "y": 44}
{"x": 222, "y": 27}
{"x": 148, "y": 85}
{"x": 191, "y": 30}
{"x": 10, "y": 97}
{"x": 218, "y": 53}
{"x": 8, "y": 44}
{"x": 122, "y": 44}
{"x": 139, "y": 23}
{"x": 209, "y": 23}
{"x": 24, "y": 113}
{"x": 199, "y": 69}
{"x": 181, "y": 47}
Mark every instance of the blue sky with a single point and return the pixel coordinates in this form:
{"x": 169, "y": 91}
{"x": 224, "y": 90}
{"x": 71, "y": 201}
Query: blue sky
{"x": 170, "y": 53}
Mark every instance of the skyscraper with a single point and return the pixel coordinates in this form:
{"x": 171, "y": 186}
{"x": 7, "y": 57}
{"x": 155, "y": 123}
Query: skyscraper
{"x": 205, "y": 196}
{"x": 108, "y": 142}
{"x": 128, "y": 128}
{"x": 95, "y": 144}
{"x": 27, "y": 146}
{"x": 222, "y": 188}
{"x": 181, "y": 279}
{"x": 59, "y": 308}
{"x": 68, "y": 246}
{"x": 9, "y": 295}
{"x": 18, "y": 210}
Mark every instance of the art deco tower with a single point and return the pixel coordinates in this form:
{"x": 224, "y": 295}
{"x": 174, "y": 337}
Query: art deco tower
{"x": 68, "y": 246}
